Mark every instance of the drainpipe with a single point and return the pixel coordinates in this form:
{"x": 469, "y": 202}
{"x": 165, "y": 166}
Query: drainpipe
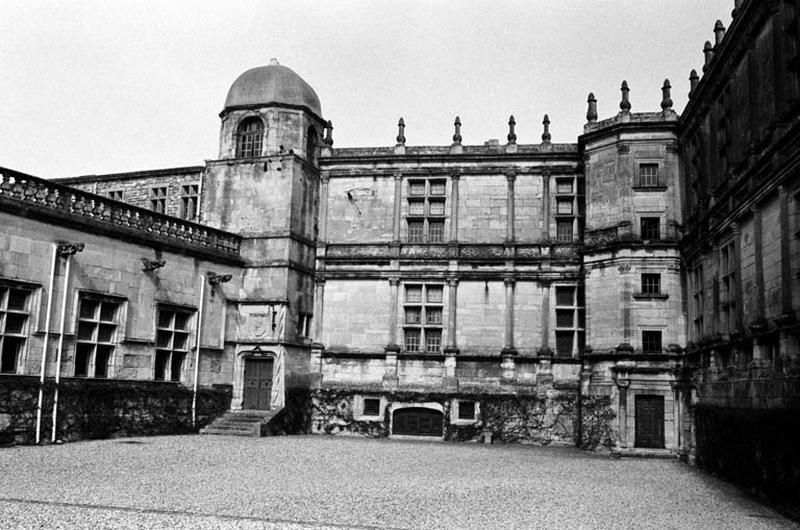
{"x": 44, "y": 347}
{"x": 197, "y": 349}
{"x": 67, "y": 251}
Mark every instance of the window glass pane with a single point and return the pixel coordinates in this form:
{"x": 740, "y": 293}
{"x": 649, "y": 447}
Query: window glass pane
{"x": 437, "y": 207}
{"x": 648, "y": 175}
{"x": 163, "y": 339}
{"x": 17, "y": 299}
{"x": 412, "y": 339}
{"x": 435, "y": 294}
{"x": 108, "y": 311}
{"x": 564, "y": 207}
{"x": 651, "y": 283}
{"x": 106, "y": 333}
{"x": 413, "y": 315}
{"x": 564, "y": 341}
{"x": 372, "y": 407}
{"x": 88, "y": 309}
{"x": 565, "y": 296}
{"x": 414, "y": 293}
{"x": 175, "y": 366}
{"x": 565, "y": 318}
{"x": 433, "y": 340}
{"x": 651, "y": 341}
{"x": 83, "y": 356}
{"x": 415, "y": 231}
{"x": 466, "y": 410}
{"x": 437, "y": 187}
{"x": 564, "y": 231}
{"x": 102, "y": 356}
{"x": 165, "y": 319}
{"x": 433, "y": 316}
{"x": 15, "y": 323}
{"x": 650, "y": 228}
{"x": 12, "y": 346}
{"x": 416, "y": 208}
{"x": 162, "y": 358}
{"x": 436, "y": 234}
{"x": 564, "y": 186}
{"x": 182, "y": 320}
{"x": 86, "y": 330}
{"x": 180, "y": 341}
{"x": 416, "y": 187}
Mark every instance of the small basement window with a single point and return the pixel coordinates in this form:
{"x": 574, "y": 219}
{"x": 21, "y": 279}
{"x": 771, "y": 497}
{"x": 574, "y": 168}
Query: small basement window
{"x": 372, "y": 407}
{"x": 466, "y": 410}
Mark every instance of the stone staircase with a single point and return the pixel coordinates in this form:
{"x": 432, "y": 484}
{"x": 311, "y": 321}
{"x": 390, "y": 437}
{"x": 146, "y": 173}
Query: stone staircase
{"x": 241, "y": 423}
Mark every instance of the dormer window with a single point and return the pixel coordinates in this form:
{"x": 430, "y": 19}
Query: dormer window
{"x": 249, "y": 138}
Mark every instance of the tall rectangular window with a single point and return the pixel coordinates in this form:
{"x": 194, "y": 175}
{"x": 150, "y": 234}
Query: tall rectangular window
{"x": 728, "y": 285}
{"x": 426, "y": 210}
{"x": 698, "y": 300}
{"x": 423, "y": 318}
{"x": 98, "y": 321}
{"x": 14, "y": 314}
{"x": 172, "y": 342}
{"x": 648, "y": 175}
{"x": 158, "y": 199}
{"x": 651, "y": 228}
{"x": 116, "y": 195}
{"x": 189, "y": 200}
{"x": 570, "y": 320}
{"x": 651, "y": 342}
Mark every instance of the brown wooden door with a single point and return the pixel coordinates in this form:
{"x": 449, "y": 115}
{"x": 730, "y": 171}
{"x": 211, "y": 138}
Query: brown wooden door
{"x": 650, "y": 421}
{"x": 417, "y": 421}
{"x": 257, "y": 384}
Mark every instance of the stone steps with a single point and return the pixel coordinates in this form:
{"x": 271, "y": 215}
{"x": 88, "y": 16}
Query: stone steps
{"x": 241, "y": 423}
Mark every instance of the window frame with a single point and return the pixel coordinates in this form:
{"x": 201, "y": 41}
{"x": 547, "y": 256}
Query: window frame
{"x": 158, "y": 199}
{"x": 649, "y": 181}
{"x": 94, "y": 341}
{"x": 190, "y": 201}
{"x": 569, "y": 302}
{"x": 426, "y": 334}
{"x": 648, "y": 337}
{"x": 20, "y": 337}
{"x": 250, "y": 142}
{"x": 168, "y": 351}
{"x": 426, "y": 210}
{"x": 653, "y": 229}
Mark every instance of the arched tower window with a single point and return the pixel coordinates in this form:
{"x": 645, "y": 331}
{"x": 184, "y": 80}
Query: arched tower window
{"x": 249, "y": 138}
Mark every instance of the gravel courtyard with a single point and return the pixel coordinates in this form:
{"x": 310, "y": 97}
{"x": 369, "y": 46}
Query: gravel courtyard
{"x": 325, "y": 482}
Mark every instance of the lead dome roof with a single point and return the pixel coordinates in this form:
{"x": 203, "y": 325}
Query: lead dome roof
{"x": 272, "y": 84}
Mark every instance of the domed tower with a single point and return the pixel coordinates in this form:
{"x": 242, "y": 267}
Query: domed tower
{"x": 265, "y": 187}
{"x": 270, "y": 110}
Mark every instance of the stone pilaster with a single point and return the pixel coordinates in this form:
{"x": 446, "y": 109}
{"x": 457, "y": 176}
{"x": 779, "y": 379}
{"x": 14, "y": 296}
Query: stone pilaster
{"x": 398, "y": 189}
{"x": 454, "y": 207}
{"x": 544, "y": 350}
{"x": 452, "y": 294}
{"x": 323, "y": 207}
{"x": 545, "y": 206}
{"x": 511, "y": 177}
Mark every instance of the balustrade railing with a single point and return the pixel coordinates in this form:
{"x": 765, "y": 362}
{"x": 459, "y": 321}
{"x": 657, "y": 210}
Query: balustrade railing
{"x": 32, "y": 191}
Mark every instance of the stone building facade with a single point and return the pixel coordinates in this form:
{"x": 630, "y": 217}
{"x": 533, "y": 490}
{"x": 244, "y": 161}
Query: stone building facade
{"x": 594, "y": 292}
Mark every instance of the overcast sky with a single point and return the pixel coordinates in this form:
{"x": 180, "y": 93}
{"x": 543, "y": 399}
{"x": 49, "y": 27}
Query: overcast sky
{"x": 103, "y": 87}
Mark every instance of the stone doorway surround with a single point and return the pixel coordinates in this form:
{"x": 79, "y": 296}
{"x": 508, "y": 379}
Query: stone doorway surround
{"x": 244, "y": 352}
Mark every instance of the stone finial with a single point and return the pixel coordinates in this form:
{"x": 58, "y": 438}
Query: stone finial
{"x": 694, "y": 80}
{"x": 401, "y": 132}
{"x": 666, "y": 96}
{"x": 736, "y": 5}
{"x": 328, "y": 140}
{"x": 546, "y": 134}
{"x": 719, "y": 32}
{"x": 625, "y": 104}
{"x": 457, "y": 135}
{"x": 591, "y": 112}
{"x": 512, "y": 136}
{"x": 708, "y": 52}
{"x": 273, "y": 62}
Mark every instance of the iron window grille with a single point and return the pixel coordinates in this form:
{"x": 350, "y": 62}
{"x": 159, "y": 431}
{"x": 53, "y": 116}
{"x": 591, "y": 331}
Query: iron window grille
{"x": 564, "y": 230}
{"x": 98, "y": 322}
{"x": 466, "y": 410}
{"x": 172, "y": 342}
{"x": 372, "y": 407}
{"x": 14, "y": 315}
{"x": 249, "y": 138}
{"x": 423, "y": 318}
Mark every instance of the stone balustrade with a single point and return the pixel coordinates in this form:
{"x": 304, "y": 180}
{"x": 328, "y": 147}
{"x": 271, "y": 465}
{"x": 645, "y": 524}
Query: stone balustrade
{"x": 46, "y": 196}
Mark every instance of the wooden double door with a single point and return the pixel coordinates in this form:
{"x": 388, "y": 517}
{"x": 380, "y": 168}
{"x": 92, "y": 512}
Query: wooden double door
{"x": 649, "y": 421}
{"x": 257, "y": 383}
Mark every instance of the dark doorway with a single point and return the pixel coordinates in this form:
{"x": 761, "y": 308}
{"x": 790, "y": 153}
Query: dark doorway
{"x": 650, "y": 421}
{"x": 257, "y": 384}
{"x": 417, "y": 421}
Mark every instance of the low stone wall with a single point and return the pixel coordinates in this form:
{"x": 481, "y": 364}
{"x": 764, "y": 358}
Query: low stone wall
{"x": 505, "y": 418}
{"x": 92, "y": 408}
{"x": 758, "y": 449}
